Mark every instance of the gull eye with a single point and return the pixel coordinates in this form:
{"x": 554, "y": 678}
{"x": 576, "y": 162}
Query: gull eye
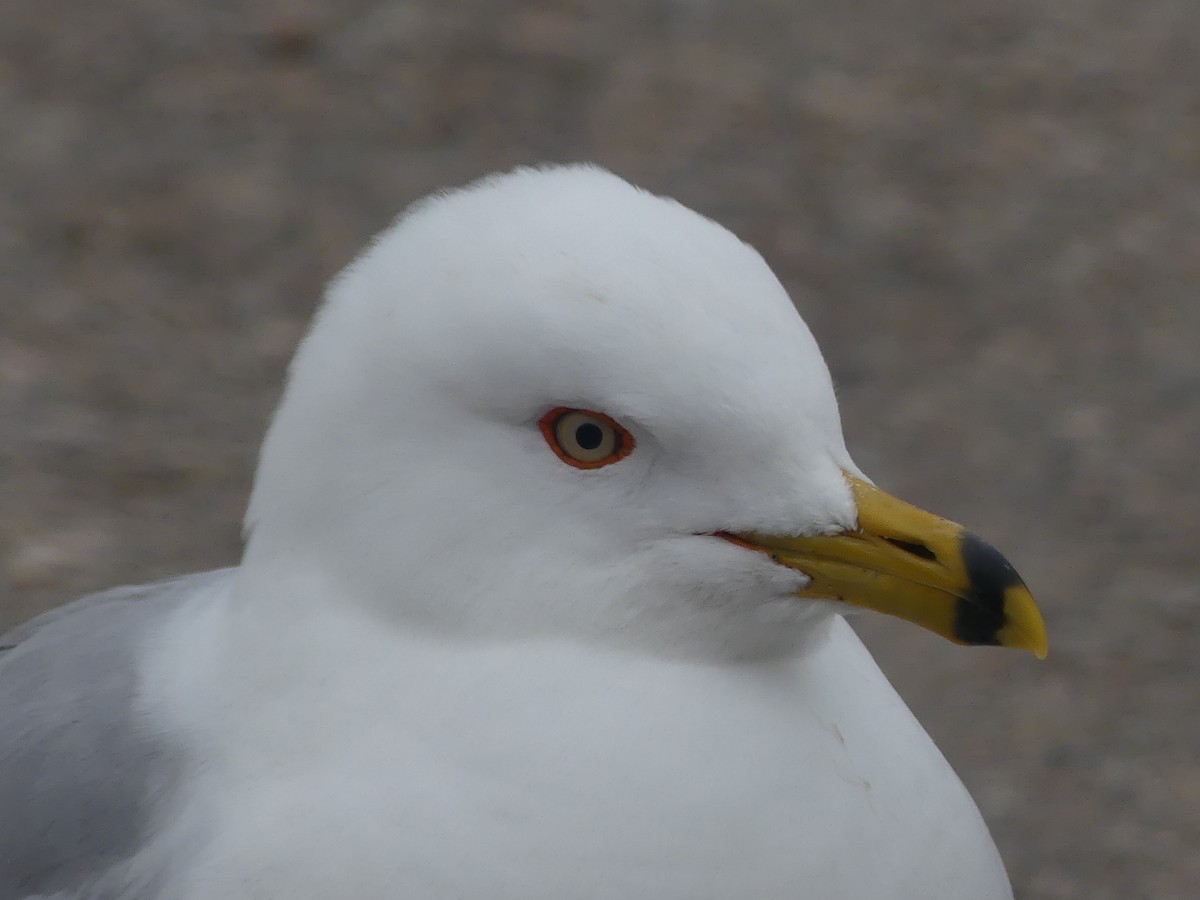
{"x": 585, "y": 439}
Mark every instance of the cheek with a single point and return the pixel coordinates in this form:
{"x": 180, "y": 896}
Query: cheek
{"x": 714, "y": 570}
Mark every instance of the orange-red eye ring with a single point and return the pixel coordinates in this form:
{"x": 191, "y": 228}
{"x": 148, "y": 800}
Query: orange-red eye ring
{"x": 622, "y": 442}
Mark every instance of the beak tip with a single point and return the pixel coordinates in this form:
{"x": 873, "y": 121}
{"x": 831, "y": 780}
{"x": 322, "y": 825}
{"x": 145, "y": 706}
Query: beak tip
{"x": 1001, "y": 610}
{"x": 1041, "y": 649}
{"x": 1024, "y": 628}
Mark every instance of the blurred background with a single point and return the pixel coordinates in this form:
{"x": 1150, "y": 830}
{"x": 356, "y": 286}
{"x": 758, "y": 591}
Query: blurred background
{"x": 987, "y": 210}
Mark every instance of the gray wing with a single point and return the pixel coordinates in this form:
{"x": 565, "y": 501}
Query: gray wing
{"x": 79, "y": 772}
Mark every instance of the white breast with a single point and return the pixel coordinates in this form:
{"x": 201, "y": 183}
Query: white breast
{"x": 542, "y": 770}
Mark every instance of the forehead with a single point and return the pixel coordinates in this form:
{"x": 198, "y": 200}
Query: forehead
{"x": 574, "y": 286}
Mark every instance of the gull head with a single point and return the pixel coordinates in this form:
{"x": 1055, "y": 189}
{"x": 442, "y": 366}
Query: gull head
{"x": 553, "y": 404}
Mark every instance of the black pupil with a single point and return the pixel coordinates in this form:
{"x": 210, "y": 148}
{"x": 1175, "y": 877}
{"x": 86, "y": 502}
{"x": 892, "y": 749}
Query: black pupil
{"x": 589, "y": 436}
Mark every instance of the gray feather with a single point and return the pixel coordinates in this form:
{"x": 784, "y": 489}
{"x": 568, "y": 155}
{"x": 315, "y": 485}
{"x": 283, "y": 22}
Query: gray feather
{"x": 80, "y": 772}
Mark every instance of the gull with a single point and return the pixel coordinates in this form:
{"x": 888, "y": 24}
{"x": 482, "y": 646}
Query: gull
{"x": 547, "y": 561}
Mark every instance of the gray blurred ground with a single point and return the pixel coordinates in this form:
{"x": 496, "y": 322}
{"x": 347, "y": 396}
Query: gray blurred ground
{"x": 988, "y": 211}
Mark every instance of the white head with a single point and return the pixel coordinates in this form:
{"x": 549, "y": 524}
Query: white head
{"x": 406, "y": 461}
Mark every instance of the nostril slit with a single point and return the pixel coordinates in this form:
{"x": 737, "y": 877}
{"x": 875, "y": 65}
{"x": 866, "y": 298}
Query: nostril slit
{"x": 916, "y": 549}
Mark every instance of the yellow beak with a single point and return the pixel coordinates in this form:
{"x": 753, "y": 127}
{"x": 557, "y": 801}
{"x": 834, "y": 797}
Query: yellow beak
{"x": 912, "y": 564}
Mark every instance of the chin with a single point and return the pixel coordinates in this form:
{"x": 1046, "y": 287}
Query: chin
{"x": 714, "y": 609}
